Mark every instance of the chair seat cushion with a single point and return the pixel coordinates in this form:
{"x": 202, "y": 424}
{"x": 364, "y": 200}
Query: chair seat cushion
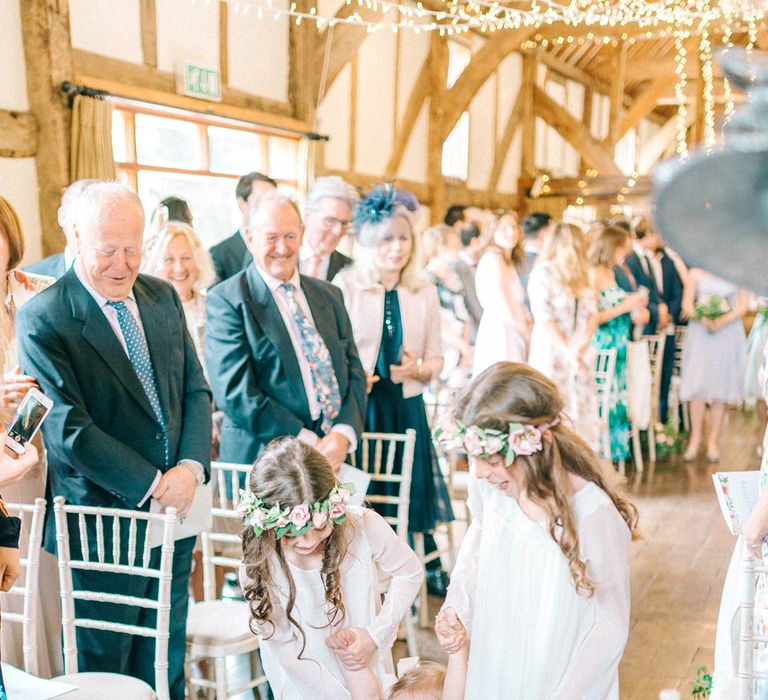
{"x": 219, "y": 623}
{"x": 98, "y": 686}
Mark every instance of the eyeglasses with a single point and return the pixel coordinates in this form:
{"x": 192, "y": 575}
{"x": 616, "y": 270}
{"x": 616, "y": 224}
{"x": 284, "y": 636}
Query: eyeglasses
{"x": 332, "y": 222}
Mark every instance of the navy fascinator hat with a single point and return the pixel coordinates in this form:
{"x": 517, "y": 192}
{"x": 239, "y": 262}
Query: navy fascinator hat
{"x": 377, "y": 206}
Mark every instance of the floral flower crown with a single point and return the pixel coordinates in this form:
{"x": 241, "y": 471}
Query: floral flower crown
{"x": 519, "y": 440}
{"x": 296, "y": 520}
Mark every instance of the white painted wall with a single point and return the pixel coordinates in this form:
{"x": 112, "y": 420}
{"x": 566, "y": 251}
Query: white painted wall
{"x": 111, "y": 28}
{"x": 375, "y": 102}
{"x": 333, "y": 120}
{"x": 258, "y": 51}
{"x": 482, "y": 144}
{"x": 13, "y": 76}
{"x": 18, "y": 184}
{"x": 187, "y": 30}
{"x": 414, "y": 163}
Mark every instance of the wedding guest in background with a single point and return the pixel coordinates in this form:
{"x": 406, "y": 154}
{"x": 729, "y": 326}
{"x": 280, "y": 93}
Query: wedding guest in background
{"x": 505, "y": 325}
{"x": 232, "y": 255}
{"x": 327, "y": 219}
{"x": 757, "y": 343}
{"x": 455, "y": 216}
{"x": 644, "y": 246}
{"x": 57, "y": 264}
{"x": 178, "y": 210}
{"x": 714, "y": 356}
{"x": 615, "y": 309}
{"x": 279, "y": 347}
{"x": 466, "y": 267}
{"x": 564, "y": 320}
{"x": 24, "y": 480}
{"x": 131, "y": 416}
{"x": 178, "y": 257}
{"x": 396, "y": 323}
{"x": 536, "y": 228}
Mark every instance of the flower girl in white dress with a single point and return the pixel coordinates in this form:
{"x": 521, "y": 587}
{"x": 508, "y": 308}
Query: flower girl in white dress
{"x": 538, "y": 605}
{"x": 309, "y": 574}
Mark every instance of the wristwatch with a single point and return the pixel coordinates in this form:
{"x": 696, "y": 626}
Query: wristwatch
{"x": 197, "y": 471}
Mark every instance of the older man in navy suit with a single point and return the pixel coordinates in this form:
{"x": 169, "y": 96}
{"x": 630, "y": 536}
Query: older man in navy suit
{"x": 279, "y": 347}
{"x": 131, "y": 416}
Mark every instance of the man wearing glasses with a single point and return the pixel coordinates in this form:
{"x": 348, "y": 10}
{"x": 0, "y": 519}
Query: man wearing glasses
{"x": 327, "y": 219}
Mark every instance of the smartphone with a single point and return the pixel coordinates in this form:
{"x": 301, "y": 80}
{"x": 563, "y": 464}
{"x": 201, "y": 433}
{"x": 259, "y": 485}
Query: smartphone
{"x": 27, "y": 420}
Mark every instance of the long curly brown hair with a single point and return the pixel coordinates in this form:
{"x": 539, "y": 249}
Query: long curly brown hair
{"x": 509, "y": 392}
{"x": 289, "y": 472}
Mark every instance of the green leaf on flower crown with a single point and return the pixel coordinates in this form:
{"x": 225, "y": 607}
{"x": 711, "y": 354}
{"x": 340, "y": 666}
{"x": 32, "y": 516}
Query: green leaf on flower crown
{"x": 257, "y": 531}
{"x": 509, "y": 457}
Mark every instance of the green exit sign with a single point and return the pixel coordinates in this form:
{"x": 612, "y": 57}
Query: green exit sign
{"x": 201, "y": 82}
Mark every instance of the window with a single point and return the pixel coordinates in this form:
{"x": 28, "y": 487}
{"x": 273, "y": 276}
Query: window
{"x": 161, "y": 152}
{"x": 459, "y": 57}
{"x": 455, "y": 161}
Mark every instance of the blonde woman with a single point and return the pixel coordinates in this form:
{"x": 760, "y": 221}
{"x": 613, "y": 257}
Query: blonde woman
{"x": 564, "y": 320}
{"x": 177, "y": 256}
{"x": 395, "y": 318}
{"x": 505, "y": 325}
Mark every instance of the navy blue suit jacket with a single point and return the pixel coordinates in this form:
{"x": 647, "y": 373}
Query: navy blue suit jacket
{"x": 336, "y": 264}
{"x": 52, "y": 266}
{"x": 673, "y": 288}
{"x": 641, "y": 280}
{"x": 253, "y": 368}
{"x": 103, "y": 440}
{"x": 230, "y": 256}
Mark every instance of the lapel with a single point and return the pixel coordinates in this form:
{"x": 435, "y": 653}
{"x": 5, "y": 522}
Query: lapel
{"x": 242, "y": 254}
{"x": 99, "y": 334}
{"x": 157, "y": 331}
{"x": 264, "y": 309}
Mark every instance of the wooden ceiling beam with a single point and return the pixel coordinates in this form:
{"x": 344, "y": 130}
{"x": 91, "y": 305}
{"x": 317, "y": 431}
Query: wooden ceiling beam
{"x": 575, "y": 133}
{"x": 18, "y": 134}
{"x": 505, "y": 142}
{"x": 645, "y": 103}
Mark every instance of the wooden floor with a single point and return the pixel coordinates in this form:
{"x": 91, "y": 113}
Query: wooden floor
{"x": 678, "y": 568}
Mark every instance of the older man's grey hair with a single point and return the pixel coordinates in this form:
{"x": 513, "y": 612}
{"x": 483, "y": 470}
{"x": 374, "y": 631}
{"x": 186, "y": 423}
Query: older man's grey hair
{"x": 271, "y": 198}
{"x": 99, "y": 199}
{"x": 72, "y": 193}
{"x": 332, "y": 187}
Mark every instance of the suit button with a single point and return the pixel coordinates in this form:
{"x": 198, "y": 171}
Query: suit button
{"x": 158, "y": 436}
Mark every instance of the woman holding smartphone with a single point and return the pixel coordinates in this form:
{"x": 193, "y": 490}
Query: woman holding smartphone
{"x": 395, "y": 319}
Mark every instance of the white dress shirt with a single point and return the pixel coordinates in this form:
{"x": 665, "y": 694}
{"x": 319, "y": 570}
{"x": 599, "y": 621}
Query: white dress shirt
{"x": 281, "y": 299}
{"x": 305, "y": 253}
{"x": 110, "y": 314}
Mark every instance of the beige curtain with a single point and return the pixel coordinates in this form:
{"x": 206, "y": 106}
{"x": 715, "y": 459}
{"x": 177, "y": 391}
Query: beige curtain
{"x": 91, "y": 147}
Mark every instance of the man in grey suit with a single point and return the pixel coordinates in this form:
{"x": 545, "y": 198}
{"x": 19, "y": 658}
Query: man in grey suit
{"x": 279, "y": 347}
{"x": 327, "y": 219}
{"x": 231, "y": 255}
{"x": 131, "y": 416}
{"x": 465, "y": 268}
{"x": 57, "y": 264}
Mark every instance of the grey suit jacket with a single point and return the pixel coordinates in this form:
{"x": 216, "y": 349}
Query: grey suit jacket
{"x": 52, "y": 266}
{"x": 103, "y": 440}
{"x": 466, "y": 275}
{"x": 253, "y": 368}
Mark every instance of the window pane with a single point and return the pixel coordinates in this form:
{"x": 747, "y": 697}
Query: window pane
{"x": 233, "y": 151}
{"x": 283, "y": 155}
{"x": 459, "y": 57}
{"x": 212, "y": 200}
{"x": 456, "y": 150}
{"x": 167, "y": 142}
{"x": 119, "y": 147}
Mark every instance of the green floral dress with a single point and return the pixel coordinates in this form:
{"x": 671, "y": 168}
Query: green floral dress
{"x": 615, "y": 334}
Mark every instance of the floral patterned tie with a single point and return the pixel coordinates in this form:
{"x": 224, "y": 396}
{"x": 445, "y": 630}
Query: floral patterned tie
{"x": 138, "y": 352}
{"x": 319, "y": 359}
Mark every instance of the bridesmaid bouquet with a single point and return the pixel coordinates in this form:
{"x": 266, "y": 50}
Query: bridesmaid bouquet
{"x": 711, "y": 307}
{"x": 762, "y": 308}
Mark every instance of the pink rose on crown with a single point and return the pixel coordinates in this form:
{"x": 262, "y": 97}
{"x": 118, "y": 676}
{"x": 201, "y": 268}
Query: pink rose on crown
{"x": 336, "y": 510}
{"x": 300, "y": 515}
{"x": 340, "y": 495}
{"x": 282, "y": 521}
{"x": 473, "y": 444}
{"x": 525, "y": 441}
{"x": 257, "y": 518}
{"x": 319, "y": 519}
{"x": 493, "y": 445}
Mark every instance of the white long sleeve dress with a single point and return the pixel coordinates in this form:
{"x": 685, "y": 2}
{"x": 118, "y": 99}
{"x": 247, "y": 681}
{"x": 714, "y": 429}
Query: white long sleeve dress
{"x": 532, "y": 636}
{"x": 318, "y": 674}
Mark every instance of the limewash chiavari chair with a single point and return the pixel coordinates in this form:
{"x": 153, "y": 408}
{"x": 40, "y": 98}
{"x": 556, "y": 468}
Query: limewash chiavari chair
{"x": 219, "y": 629}
{"x": 379, "y": 460}
{"x": 28, "y": 586}
{"x": 656, "y": 345}
{"x": 72, "y": 524}
{"x": 749, "y": 640}
{"x": 605, "y": 367}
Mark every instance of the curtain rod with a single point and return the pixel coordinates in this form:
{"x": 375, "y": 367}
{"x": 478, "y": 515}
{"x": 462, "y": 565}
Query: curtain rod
{"x": 71, "y": 90}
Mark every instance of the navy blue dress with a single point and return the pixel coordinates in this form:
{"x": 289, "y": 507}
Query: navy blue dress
{"x": 388, "y": 412}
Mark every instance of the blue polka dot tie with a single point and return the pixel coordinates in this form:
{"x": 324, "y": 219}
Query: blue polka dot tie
{"x": 319, "y": 360}
{"x": 138, "y": 352}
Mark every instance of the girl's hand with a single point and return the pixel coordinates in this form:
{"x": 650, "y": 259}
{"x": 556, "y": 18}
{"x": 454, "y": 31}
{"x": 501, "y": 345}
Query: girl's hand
{"x": 9, "y": 567}
{"x": 451, "y": 634}
{"x": 353, "y": 646}
{"x": 405, "y": 370}
{"x": 15, "y": 388}
{"x": 754, "y": 532}
{"x": 370, "y": 380}
{"x": 13, "y": 468}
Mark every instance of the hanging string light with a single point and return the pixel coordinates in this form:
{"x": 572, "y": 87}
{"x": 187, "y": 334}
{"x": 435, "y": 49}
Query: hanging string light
{"x": 707, "y": 75}
{"x": 730, "y": 106}
{"x": 680, "y": 85}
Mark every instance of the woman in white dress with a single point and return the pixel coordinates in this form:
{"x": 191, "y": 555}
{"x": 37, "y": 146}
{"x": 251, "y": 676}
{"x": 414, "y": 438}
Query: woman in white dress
{"x": 538, "y": 605}
{"x": 505, "y": 325}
